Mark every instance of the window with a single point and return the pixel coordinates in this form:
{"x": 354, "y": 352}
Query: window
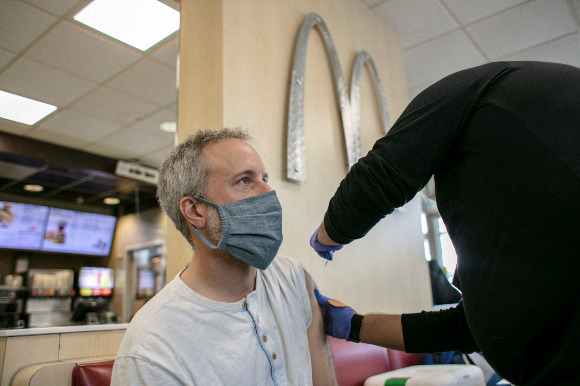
{"x": 437, "y": 243}
{"x": 448, "y": 255}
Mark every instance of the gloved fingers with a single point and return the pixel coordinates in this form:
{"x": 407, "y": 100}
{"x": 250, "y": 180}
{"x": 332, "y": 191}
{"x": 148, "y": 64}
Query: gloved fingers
{"x": 319, "y": 247}
{"x": 337, "y": 316}
{"x": 337, "y": 303}
{"x": 324, "y": 300}
{"x": 325, "y": 255}
{"x": 320, "y": 298}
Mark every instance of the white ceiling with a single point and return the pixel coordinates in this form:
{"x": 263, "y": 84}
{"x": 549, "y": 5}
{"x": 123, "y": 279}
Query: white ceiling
{"x": 439, "y": 37}
{"x": 112, "y": 97}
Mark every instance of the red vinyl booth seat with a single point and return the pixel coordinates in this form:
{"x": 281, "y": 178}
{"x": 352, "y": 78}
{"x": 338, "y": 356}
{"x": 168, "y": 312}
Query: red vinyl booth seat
{"x": 355, "y": 362}
{"x": 93, "y": 374}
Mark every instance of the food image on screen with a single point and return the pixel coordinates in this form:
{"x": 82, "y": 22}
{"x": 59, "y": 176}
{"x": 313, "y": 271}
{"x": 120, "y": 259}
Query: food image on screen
{"x": 96, "y": 281}
{"x": 71, "y": 231}
{"x": 22, "y": 225}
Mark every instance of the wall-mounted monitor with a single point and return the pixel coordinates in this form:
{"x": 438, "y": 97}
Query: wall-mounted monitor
{"x": 145, "y": 283}
{"x": 22, "y": 225}
{"x": 70, "y": 231}
{"x": 96, "y": 281}
{"x": 43, "y": 228}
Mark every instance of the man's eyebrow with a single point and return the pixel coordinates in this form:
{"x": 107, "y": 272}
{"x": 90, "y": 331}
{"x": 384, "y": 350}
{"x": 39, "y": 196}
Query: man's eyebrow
{"x": 243, "y": 173}
{"x": 247, "y": 172}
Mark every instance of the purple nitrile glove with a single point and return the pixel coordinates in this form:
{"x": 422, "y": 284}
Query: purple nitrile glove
{"x": 323, "y": 250}
{"x": 337, "y": 316}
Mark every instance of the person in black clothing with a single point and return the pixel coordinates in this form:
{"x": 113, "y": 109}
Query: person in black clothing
{"x": 503, "y": 142}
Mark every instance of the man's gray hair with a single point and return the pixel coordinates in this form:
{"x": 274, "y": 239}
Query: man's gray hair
{"x": 185, "y": 173}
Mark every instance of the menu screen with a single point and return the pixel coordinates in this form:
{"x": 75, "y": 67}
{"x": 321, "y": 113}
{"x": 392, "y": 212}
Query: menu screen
{"x": 84, "y": 233}
{"x": 22, "y": 225}
{"x": 96, "y": 281}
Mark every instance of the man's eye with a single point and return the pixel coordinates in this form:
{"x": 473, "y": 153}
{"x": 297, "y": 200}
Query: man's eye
{"x": 245, "y": 181}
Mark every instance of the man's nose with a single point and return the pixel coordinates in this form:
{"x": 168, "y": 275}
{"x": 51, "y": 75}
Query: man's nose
{"x": 263, "y": 187}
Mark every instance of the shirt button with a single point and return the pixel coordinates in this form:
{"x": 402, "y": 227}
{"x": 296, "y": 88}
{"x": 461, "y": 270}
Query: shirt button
{"x": 244, "y": 304}
{"x": 274, "y": 356}
{"x": 265, "y": 338}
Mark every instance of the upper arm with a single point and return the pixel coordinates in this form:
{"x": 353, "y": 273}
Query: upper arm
{"x": 320, "y": 355}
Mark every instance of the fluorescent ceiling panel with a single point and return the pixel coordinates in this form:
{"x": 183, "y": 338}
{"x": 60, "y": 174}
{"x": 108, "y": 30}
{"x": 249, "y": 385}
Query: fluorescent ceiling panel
{"x": 23, "y": 110}
{"x": 138, "y": 23}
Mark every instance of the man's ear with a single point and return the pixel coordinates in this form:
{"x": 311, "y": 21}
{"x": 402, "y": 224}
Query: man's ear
{"x": 194, "y": 211}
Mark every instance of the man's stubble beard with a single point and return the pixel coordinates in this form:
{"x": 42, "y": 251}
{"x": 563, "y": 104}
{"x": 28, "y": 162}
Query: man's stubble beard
{"x": 214, "y": 225}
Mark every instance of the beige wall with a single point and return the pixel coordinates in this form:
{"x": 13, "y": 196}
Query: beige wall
{"x": 236, "y": 59}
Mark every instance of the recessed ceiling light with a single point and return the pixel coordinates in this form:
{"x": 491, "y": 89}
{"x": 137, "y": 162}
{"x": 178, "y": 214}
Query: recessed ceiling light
{"x": 111, "y": 201}
{"x": 20, "y": 109}
{"x": 33, "y": 188}
{"x": 168, "y": 126}
{"x": 138, "y": 23}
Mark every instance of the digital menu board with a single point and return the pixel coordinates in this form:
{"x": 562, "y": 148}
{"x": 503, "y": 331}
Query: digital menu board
{"x": 22, "y": 225}
{"x": 70, "y": 231}
{"x": 96, "y": 281}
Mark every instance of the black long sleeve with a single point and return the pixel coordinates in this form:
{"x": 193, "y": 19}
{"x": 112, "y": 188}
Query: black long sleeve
{"x": 401, "y": 163}
{"x": 438, "y": 331}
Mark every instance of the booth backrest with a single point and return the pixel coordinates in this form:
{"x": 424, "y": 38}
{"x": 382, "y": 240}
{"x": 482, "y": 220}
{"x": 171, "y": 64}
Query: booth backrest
{"x": 400, "y": 359}
{"x": 93, "y": 374}
{"x": 355, "y": 362}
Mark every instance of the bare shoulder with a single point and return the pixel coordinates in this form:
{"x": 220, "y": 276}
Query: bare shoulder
{"x": 310, "y": 283}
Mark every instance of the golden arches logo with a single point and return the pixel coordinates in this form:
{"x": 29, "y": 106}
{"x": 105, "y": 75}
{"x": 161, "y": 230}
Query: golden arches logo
{"x": 349, "y": 104}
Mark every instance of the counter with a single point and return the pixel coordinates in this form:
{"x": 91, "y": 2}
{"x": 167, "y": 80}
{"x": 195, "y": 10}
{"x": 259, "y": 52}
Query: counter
{"x": 49, "y": 352}
{"x": 63, "y": 329}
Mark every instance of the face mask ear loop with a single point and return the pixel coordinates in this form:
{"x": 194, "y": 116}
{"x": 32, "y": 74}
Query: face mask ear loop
{"x": 202, "y": 237}
{"x": 198, "y": 233}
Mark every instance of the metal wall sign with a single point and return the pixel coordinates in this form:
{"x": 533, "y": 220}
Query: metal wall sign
{"x": 349, "y": 105}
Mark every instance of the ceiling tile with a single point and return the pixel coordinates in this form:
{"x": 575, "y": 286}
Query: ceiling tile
{"x": 77, "y": 125}
{"x": 427, "y": 63}
{"x": 5, "y": 58}
{"x": 126, "y": 144}
{"x": 149, "y": 80}
{"x": 558, "y": 51}
{"x": 150, "y": 125}
{"x": 117, "y": 153}
{"x": 113, "y": 106}
{"x": 415, "y": 21}
{"x": 468, "y": 11}
{"x": 21, "y": 24}
{"x": 14, "y": 127}
{"x": 168, "y": 53}
{"x": 37, "y": 81}
{"x": 525, "y": 26}
{"x": 155, "y": 158}
{"x": 82, "y": 52}
{"x": 57, "y": 138}
{"x": 58, "y": 8}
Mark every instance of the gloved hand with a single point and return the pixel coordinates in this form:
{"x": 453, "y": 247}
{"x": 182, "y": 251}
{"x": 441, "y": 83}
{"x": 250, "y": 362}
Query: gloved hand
{"x": 323, "y": 250}
{"x": 337, "y": 316}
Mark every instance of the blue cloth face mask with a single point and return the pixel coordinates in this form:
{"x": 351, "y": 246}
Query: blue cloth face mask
{"x": 251, "y": 229}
